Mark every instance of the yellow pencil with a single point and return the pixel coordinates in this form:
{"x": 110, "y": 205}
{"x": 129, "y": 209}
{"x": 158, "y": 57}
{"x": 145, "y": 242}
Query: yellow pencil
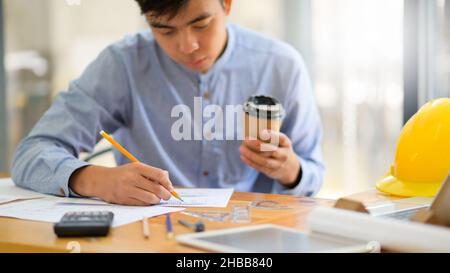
{"x": 129, "y": 155}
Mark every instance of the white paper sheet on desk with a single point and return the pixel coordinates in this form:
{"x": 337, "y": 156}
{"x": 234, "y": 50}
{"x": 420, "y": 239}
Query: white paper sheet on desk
{"x": 7, "y": 198}
{"x": 4, "y": 199}
{"x": 206, "y": 198}
{"x": 7, "y": 187}
{"x": 51, "y": 209}
{"x": 384, "y": 207}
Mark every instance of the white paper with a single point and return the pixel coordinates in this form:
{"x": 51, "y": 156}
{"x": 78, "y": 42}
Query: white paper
{"x": 211, "y": 198}
{"x": 386, "y": 207}
{"x": 7, "y": 198}
{"x": 7, "y": 187}
{"x": 51, "y": 210}
{"x": 82, "y": 202}
{"x": 207, "y": 198}
{"x": 393, "y": 234}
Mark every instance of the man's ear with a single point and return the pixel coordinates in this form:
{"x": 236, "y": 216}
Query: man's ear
{"x": 227, "y": 6}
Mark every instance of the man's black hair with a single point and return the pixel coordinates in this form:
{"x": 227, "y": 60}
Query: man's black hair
{"x": 159, "y": 8}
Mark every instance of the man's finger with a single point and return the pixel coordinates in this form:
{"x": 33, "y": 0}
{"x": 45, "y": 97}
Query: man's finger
{"x": 153, "y": 187}
{"x": 281, "y": 154}
{"x": 276, "y": 138}
{"x": 259, "y": 146}
{"x": 254, "y": 145}
{"x": 264, "y": 154}
{"x": 134, "y": 202}
{"x": 256, "y": 166}
{"x": 260, "y": 160}
{"x": 155, "y": 174}
{"x": 147, "y": 197}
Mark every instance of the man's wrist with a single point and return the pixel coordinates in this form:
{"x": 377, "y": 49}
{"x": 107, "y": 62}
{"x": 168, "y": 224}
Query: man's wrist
{"x": 294, "y": 178}
{"x": 297, "y": 180}
{"x": 82, "y": 181}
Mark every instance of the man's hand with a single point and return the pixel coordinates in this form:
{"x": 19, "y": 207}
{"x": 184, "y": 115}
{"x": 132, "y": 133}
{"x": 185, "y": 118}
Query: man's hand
{"x": 277, "y": 162}
{"x": 135, "y": 184}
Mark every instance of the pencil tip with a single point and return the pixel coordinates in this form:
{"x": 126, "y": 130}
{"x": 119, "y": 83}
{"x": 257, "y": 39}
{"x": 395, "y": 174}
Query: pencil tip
{"x": 177, "y": 196}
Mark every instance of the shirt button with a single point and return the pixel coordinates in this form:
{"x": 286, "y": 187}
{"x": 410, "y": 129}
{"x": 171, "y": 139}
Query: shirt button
{"x": 205, "y": 173}
{"x": 206, "y": 95}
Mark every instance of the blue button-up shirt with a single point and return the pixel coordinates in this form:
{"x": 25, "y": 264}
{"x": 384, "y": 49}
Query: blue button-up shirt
{"x": 130, "y": 91}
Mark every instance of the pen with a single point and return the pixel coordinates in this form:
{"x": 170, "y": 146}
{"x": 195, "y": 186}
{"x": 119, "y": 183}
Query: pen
{"x": 129, "y": 156}
{"x": 145, "y": 228}
{"x": 197, "y": 226}
{"x": 169, "y": 228}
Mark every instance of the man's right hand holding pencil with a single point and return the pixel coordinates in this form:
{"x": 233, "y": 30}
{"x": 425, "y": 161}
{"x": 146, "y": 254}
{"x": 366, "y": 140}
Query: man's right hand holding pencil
{"x": 134, "y": 184}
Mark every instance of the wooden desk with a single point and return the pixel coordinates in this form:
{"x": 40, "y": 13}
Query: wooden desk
{"x": 26, "y": 236}
{"x": 4, "y": 175}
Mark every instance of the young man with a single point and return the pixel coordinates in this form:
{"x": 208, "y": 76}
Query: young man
{"x": 130, "y": 91}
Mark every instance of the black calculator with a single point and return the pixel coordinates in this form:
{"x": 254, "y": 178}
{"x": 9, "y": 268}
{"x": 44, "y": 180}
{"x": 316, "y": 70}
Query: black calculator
{"x": 84, "y": 224}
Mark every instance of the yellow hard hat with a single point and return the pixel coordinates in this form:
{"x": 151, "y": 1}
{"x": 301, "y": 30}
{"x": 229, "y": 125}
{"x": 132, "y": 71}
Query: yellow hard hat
{"x": 422, "y": 159}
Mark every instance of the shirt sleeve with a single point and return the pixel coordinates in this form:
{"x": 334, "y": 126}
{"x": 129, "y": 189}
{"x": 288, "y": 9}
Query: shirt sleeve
{"x": 47, "y": 157}
{"x": 304, "y": 127}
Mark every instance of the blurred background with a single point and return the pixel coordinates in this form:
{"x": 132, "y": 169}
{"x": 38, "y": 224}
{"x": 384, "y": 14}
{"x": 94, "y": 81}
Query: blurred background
{"x": 372, "y": 62}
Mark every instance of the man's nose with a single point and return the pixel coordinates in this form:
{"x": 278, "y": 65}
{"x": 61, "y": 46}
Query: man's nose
{"x": 188, "y": 43}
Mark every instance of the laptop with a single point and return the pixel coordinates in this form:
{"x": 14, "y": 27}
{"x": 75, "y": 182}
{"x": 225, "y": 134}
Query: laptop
{"x": 408, "y": 207}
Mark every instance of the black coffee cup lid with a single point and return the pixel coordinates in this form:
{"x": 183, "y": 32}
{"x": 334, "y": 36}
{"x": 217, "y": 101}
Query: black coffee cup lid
{"x": 264, "y": 107}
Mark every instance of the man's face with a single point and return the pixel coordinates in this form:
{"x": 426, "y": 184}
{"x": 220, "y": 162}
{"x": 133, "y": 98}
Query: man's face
{"x": 196, "y": 36}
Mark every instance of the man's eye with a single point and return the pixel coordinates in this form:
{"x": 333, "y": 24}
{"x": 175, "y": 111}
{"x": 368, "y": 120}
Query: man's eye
{"x": 168, "y": 33}
{"x": 200, "y": 27}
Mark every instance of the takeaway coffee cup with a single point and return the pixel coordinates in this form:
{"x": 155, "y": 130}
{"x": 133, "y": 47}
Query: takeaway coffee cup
{"x": 262, "y": 113}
